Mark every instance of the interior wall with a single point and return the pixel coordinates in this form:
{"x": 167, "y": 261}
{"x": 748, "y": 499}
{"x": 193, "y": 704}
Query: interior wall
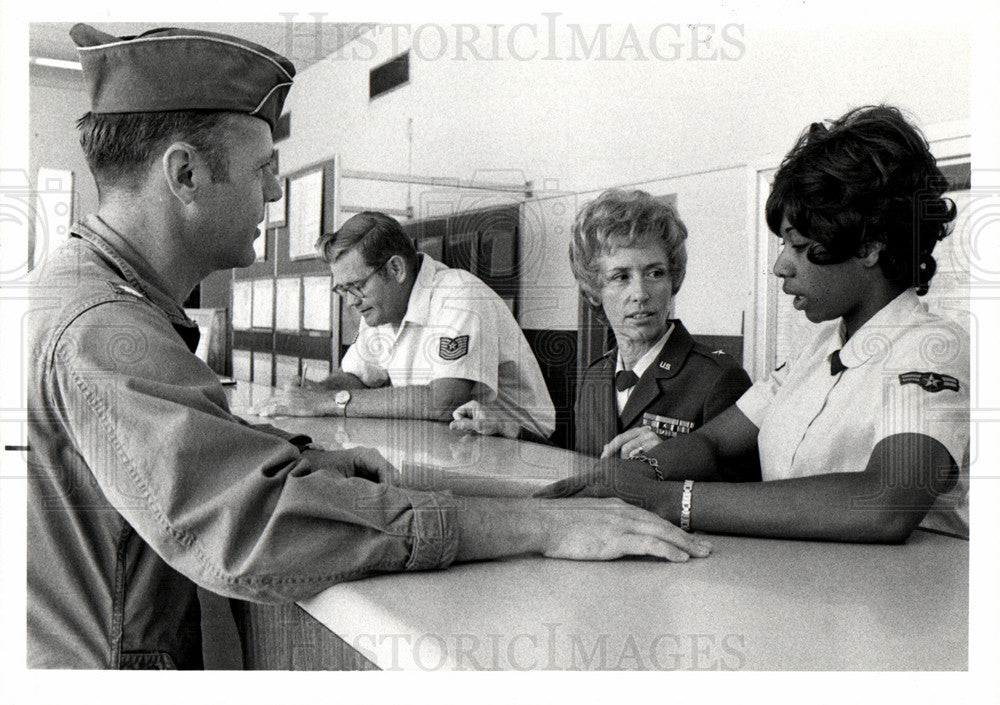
{"x": 712, "y": 206}
{"x": 573, "y": 126}
{"x": 56, "y": 99}
{"x": 539, "y": 106}
{"x": 597, "y": 121}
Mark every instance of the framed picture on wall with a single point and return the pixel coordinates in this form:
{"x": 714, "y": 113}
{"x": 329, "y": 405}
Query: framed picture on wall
{"x": 305, "y": 214}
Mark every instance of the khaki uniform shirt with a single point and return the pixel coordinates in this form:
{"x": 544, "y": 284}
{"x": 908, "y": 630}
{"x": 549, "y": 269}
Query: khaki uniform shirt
{"x": 142, "y": 484}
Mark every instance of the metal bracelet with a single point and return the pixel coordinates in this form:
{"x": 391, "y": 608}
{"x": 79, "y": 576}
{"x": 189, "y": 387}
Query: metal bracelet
{"x": 652, "y": 462}
{"x": 686, "y": 505}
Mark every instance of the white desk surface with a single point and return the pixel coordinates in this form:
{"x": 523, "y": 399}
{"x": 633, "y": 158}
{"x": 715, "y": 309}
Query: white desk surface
{"x": 754, "y": 604}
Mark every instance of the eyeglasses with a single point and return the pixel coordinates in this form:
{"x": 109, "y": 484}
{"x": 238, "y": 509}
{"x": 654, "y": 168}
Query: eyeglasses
{"x": 356, "y": 288}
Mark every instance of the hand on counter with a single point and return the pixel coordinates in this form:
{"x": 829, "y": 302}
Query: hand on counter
{"x": 580, "y": 528}
{"x": 295, "y": 401}
{"x": 366, "y": 463}
{"x": 333, "y": 381}
{"x": 606, "y": 529}
{"x": 478, "y": 418}
{"x": 631, "y": 443}
{"x": 303, "y": 383}
{"x": 610, "y": 477}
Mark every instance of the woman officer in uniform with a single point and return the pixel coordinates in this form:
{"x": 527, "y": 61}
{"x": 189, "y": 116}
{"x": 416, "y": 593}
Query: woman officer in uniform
{"x": 629, "y": 258}
{"x": 862, "y": 435}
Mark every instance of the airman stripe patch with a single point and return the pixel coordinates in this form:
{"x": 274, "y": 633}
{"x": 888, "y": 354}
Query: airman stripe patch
{"x": 930, "y": 381}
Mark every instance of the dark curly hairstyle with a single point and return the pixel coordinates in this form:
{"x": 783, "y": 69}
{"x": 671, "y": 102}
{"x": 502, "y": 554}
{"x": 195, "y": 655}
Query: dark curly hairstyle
{"x": 868, "y": 178}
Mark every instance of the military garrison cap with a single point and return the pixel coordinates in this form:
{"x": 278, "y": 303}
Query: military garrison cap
{"x": 181, "y": 69}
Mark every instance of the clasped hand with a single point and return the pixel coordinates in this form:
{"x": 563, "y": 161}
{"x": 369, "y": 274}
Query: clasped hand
{"x": 479, "y": 418}
{"x": 632, "y": 443}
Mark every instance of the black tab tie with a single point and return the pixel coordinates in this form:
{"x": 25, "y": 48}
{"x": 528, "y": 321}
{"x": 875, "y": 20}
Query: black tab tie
{"x": 625, "y": 379}
{"x": 836, "y": 366}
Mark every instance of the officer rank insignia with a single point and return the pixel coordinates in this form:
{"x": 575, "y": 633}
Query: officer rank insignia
{"x": 453, "y": 348}
{"x": 930, "y": 381}
{"x": 666, "y": 426}
{"x": 119, "y": 288}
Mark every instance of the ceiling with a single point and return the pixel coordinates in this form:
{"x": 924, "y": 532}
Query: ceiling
{"x": 304, "y": 43}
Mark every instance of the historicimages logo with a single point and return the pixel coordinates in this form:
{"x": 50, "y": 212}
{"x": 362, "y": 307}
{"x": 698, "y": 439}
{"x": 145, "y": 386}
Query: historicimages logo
{"x": 549, "y": 37}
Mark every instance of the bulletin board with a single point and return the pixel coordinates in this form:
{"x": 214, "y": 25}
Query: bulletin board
{"x": 282, "y": 305}
{"x": 299, "y": 257}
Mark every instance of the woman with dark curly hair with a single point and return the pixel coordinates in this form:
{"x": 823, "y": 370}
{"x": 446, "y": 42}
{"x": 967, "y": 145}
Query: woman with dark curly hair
{"x": 863, "y": 435}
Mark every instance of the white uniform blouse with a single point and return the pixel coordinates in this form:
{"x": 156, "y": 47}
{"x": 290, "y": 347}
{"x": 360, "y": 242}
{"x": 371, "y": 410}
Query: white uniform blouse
{"x": 907, "y": 372}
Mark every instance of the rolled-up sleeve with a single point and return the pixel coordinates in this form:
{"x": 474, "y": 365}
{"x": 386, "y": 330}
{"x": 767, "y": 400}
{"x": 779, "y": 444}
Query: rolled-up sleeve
{"x": 235, "y": 508}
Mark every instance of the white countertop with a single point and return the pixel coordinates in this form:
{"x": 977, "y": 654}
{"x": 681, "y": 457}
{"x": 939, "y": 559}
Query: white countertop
{"x": 754, "y": 604}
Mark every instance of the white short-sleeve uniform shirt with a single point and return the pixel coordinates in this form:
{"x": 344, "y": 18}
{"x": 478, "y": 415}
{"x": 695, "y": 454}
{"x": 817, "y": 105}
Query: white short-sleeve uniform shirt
{"x": 456, "y": 327}
{"x": 907, "y": 372}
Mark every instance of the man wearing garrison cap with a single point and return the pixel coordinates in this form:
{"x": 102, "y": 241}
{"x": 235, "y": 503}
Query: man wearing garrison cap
{"x": 142, "y": 485}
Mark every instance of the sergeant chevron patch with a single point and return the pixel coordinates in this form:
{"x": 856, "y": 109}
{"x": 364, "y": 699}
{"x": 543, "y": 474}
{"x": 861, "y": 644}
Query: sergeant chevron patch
{"x": 453, "y": 348}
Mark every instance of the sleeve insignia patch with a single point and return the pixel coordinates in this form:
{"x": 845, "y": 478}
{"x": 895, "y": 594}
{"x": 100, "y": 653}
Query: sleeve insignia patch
{"x": 930, "y": 381}
{"x": 453, "y": 348}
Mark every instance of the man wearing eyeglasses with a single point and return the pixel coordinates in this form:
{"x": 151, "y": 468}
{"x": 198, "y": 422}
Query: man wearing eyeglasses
{"x": 430, "y": 339}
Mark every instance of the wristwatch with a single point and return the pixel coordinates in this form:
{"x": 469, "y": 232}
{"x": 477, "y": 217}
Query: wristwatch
{"x": 342, "y": 399}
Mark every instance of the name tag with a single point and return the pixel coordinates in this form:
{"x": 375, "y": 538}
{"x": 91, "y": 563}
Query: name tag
{"x": 666, "y": 426}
